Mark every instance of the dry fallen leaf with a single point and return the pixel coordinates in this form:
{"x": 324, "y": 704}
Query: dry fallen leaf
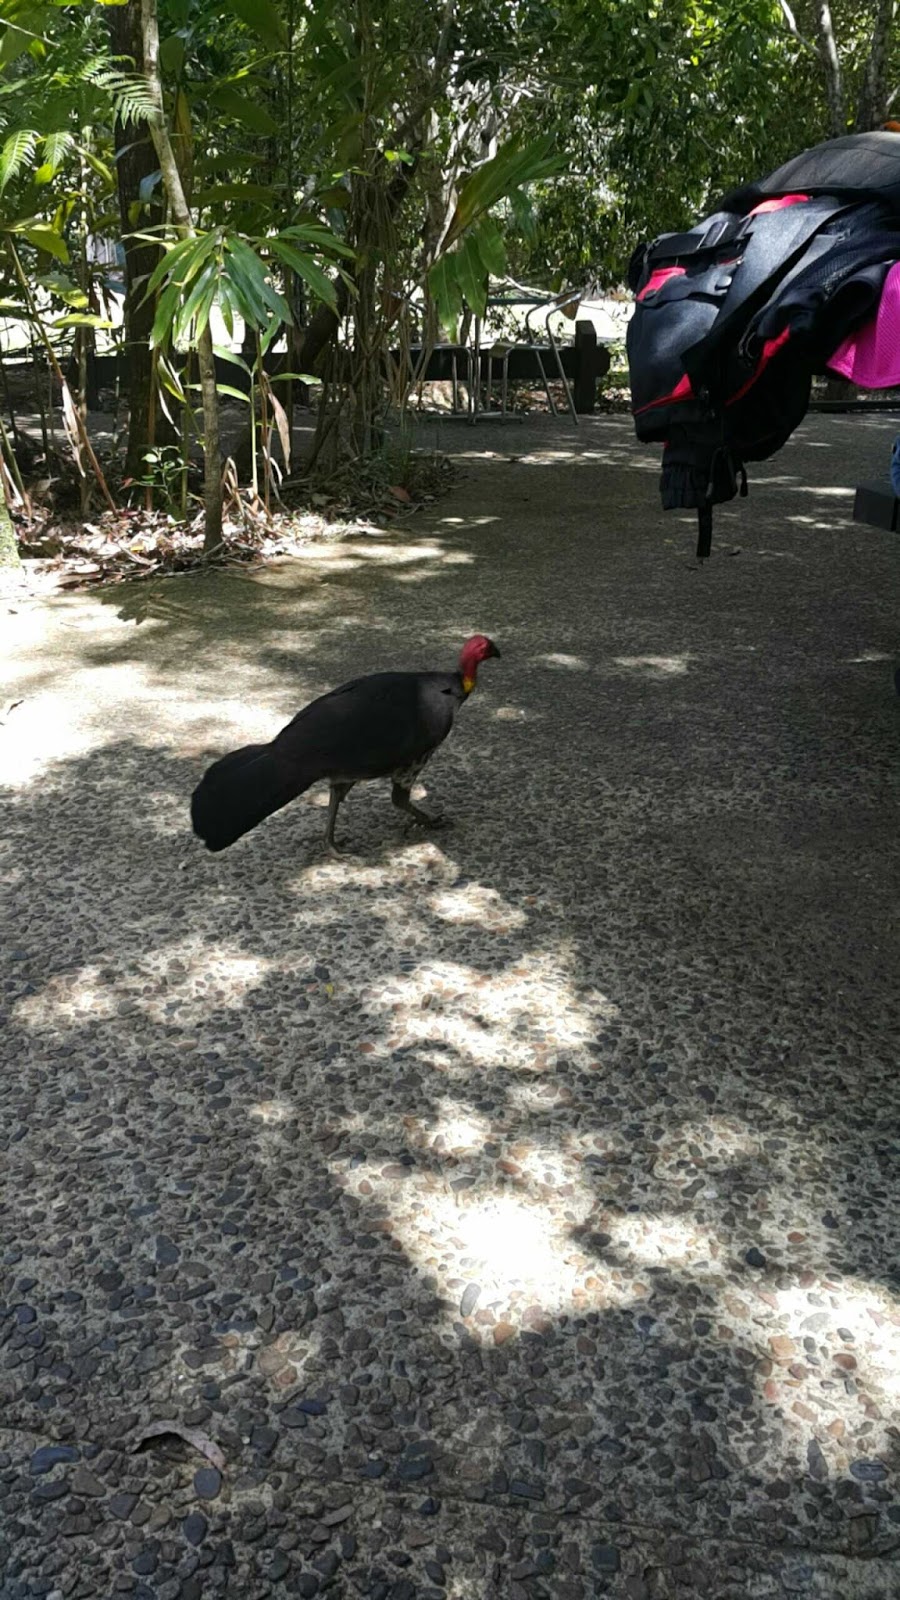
{"x": 398, "y": 491}
{"x": 192, "y": 1436}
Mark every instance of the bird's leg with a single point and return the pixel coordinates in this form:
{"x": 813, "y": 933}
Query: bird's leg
{"x": 339, "y": 792}
{"x": 400, "y": 798}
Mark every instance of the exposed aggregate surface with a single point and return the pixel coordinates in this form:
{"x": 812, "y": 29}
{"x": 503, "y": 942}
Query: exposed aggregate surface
{"x": 516, "y": 1207}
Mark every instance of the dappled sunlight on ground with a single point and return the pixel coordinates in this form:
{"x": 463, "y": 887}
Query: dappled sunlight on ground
{"x": 654, "y": 666}
{"x": 178, "y": 980}
{"x": 527, "y": 1190}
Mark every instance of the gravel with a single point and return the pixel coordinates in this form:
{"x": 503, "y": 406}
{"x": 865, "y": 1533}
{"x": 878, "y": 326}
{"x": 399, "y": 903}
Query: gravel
{"x": 514, "y": 1208}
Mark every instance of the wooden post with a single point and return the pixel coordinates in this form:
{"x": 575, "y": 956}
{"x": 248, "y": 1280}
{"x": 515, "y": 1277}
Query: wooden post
{"x": 591, "y": 361}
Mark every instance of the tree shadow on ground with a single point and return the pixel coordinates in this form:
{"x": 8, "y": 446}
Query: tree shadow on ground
{"x": 457, "y": 1148}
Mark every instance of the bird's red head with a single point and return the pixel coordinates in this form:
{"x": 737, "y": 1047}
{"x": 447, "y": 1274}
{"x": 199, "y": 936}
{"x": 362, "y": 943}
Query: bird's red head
{"x": 475, "y": 650}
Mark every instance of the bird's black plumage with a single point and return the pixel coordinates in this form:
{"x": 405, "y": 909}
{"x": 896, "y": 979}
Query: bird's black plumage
{"x": 383, "y": 726}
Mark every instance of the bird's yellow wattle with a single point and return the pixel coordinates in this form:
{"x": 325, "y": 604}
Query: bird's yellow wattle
{"x": 468, "y": 685}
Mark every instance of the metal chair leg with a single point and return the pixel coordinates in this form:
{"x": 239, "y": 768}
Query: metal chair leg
{"x": 570, "y": 402}
{"x": 550, "y": 400}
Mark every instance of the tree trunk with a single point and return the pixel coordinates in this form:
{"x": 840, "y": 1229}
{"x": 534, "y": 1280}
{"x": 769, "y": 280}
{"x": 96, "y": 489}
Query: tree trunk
{"x": 870, "y": 111}
{"x": 136, "y": 162}
{"x": 834, "y": 77}
{"x": 9, "y": 546}
{"x": 212, "y": 461}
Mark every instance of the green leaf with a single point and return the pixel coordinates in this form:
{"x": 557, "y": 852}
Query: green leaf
{"x": 17, "y": 151}
{"x": 167, "y": 264}
{"x": 56, "y": 146}
{"x": 79, "y": 319}
{"x": 166, "y": 307}
{"x": 306, "y": 268}
{"x": 472, "y": 275}
{"x": 446, "y": 292}
{"x": 170, "y": 378}
{"x": 197, "y": 306}
{"x": 317, "y": 235}
{"x": 248, "y": 112}
{"x": 225, "y": 354}
{"x": 171, "y": 55}
{"x": 514, "y": 164}
{"x": 43, "y": 237}
{"x": 262, "y": 17}
{"x": 491, "y": 246}
{"x": 235, "y": 394}
{"x": 96, "y": 165}
{"x": 248, "y": 273}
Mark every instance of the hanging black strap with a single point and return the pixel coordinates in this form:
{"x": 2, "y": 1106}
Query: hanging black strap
{"x": 704, "y": 530}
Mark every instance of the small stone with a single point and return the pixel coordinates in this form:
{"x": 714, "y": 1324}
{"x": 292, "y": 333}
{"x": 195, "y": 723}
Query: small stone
{"x": 782, "y": 1347}
{"x": 292, "y": 1417}
{"x": 409, "y": 1468}
{"x": 818, "y": 1466}
{"x": 469, "y": 1299}
{"x": 122, "y": 1505}
{"x": 605, "y": 1557}
{"x": 194, "y": 1527}
{"x": 332, "y": 1519}
{"x": 207, "y": 1482}
{"x": 167, "y": 1252}
{"x": 84, "y": 1481}
{"x": 49, "y": 1456}
{"x": 327, "y": 1563}
{"x": 279, "y": 1566}
{"x": 308, "y": 1584}
{"x": 264, "y": 1440}
{"x": 145, "y": 1563}
{"x": 754, "y": 1257}
{"x": 525, "y": 1491}
{"x": 313, "y": 1408}
{"x": 50, "y": 1489}
{"x": 868, "y": 1471}
{"x": 503, "y": 1331}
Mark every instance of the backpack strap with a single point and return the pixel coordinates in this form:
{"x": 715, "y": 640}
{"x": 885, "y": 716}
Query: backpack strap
{"x": 719, "y": 232}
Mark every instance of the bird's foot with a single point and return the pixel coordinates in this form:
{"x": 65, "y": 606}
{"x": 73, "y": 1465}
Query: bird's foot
{"x": 337, "y": 852}
{"x": 424, "y": 819}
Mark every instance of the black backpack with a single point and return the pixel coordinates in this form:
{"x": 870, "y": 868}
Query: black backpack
{"x": 734, "y": 317}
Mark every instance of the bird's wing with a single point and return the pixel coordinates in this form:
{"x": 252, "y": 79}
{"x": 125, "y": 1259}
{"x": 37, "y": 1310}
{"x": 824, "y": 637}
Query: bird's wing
{"x": 374, "y": 725}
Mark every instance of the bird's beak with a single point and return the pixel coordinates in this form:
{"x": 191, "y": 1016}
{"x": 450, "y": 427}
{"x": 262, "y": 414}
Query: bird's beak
{"x": 493, "y": 650}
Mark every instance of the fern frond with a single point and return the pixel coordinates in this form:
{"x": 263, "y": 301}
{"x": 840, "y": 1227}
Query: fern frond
{"x": 56, "y": 148}
{"x": 131, "y": 98}
{"x": 17, "y": 150}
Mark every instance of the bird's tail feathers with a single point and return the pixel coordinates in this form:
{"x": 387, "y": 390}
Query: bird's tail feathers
{"x": 240, "y": 790}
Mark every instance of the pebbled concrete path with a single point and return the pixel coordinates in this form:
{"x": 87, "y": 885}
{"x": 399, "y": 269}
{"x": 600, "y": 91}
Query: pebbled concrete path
{"x": 516, "y": 1210}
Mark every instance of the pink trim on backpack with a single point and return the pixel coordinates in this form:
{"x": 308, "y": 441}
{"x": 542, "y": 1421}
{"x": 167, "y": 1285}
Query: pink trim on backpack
{"x": 681, "y": 391}
{"x": 657, "y": 278}
{"x": 779, "y": 204}
{"x": 769, "y": 349}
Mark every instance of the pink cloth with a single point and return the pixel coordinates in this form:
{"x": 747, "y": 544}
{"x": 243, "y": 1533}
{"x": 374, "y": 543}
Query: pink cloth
{"x": 870, "y": 356}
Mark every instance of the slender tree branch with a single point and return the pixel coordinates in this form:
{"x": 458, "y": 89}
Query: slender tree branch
{"x": 834, "y": 77}
{"x": 181, "y": 215}
{"x": 873, "y": 88}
